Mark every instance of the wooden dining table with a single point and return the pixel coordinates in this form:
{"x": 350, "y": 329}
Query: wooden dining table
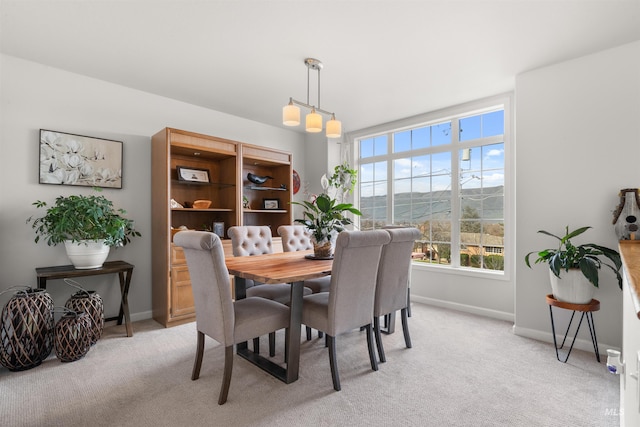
{"x": 282, "y": 267}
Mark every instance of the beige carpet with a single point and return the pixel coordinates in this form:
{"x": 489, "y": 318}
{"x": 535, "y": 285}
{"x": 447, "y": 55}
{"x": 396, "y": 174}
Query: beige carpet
{"x": 463, "y": 370}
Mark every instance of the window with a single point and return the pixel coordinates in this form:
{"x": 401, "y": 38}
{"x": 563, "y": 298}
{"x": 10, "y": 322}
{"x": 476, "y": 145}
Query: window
{"x": 446, "y": 176}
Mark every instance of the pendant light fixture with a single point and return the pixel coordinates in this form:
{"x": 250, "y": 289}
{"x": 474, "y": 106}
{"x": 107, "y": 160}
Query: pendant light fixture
{"x": 313, "y": 120}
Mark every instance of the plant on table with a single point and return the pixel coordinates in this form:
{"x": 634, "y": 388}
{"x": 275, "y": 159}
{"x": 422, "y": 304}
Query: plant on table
{"x": 83, "y": 218}
{"x": 324, "y": 216}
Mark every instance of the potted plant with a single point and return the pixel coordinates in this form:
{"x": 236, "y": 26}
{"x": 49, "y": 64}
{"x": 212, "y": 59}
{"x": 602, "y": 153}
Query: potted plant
{"x": 87, "y": 225}
{"x": 579, "y": 266}
{"x": 324, "y": 216}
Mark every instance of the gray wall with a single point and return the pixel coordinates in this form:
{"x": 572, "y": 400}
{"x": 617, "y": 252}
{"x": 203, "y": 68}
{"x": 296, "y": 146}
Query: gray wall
{"x": 34, "y": 96}
{"x": 578, "y": 144}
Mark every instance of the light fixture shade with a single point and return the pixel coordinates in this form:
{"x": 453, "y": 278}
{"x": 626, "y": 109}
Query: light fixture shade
{"x": 314, "y": 122}
{"x": 334, "y": 128}
{"x": 291, "y": 115}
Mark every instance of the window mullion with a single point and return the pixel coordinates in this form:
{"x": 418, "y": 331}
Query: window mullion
{"x": 455, "y": 195}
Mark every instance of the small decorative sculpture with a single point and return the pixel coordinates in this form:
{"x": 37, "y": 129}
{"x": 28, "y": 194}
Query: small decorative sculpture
{"x": 625, "y": 216}
{"x": 257, "y": 179}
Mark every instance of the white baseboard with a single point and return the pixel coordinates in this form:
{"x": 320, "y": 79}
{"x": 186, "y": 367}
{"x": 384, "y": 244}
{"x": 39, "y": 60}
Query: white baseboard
{"x": 580, "y": 344}
{"x": 501, "y": 315}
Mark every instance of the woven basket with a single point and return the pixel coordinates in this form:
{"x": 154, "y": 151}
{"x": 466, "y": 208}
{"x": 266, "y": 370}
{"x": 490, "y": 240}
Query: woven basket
{"x": 73, "y": 336}
{"x": 91, "y": 303}
{"x": 26, "y": 332}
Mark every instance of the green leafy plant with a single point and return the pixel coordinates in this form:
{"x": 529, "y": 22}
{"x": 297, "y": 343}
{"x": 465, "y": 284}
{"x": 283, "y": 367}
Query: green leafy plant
{"x": 588, "y": 257}
{"x": 79, "y": 217}
{"x": 324, "y": 216}
{"x": 344, "y": 179}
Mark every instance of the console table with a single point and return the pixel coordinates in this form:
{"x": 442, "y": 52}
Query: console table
{"x": 123, "y": 269}
{"x": 587, "y": 311}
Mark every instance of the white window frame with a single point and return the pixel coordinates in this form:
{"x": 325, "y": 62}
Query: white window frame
{"x": 504, "y": 101}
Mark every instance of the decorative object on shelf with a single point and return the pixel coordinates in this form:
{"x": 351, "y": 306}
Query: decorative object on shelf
{"x": 270, "y": 204}
{"x": 218, "y": 228}
{"x": 26, "y": 332}
{"x": 70, "y": 159}
{"x": 580, "y": 265}
{"x": 296, "y": 182}
{"x": 324, "y": 217}
{"x": 72, "y": 336}
{"x": 175, "y": 205}
{"x": 257, "y": 179}
{"x": 625, "y": 216}
{"x": 88, "y": 302}
{"x": 189, "y": 174}
{"x": 201, "y": 204}
{"x": 245, "y": 203}
{"x": 313, "y": 120}
{"x": 88, "y": 224}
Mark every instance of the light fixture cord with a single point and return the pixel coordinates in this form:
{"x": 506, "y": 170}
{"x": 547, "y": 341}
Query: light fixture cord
{"x": 319, "y": 87}
{"x": 308, "y": 71}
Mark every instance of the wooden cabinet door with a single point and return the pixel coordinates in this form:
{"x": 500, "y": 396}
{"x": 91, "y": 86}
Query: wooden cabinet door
{"x": 181, "y": 292}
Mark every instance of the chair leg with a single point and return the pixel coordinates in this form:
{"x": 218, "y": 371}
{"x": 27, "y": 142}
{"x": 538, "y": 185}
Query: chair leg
{"x": 195, "y": 373}
{"x": 272, "y": 344}
{"x": 376, "y": 331}
{"x": 404, "y": 313}
{"x": 409, "y": 302}
{"x": 333, "y": 362}
{"x": 308, "y": 333}
{"x": 372, "y": 353}
{"x": 256, "y": 345}
{"x": 226, "y": 379}
{"x": 320, "y": 334}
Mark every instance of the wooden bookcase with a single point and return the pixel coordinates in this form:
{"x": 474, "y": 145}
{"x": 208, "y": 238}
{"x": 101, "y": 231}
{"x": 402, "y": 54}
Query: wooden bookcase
{"x": 227, "y": 164}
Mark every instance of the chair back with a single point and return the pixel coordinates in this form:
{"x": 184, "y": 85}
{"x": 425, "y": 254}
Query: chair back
{"x": 210, "y": 283}
{"x": 295, "y": 238}
{"x": 250, "y": 240}
{"x": 393, "y": 270}
{"x": 353, "y": 279}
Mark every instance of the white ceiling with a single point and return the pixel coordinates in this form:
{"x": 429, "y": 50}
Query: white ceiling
{"x": 383, "y": 60}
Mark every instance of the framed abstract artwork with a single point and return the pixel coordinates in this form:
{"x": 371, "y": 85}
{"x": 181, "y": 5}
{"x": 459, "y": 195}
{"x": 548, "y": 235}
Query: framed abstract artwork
{"x": 69, "y": 159}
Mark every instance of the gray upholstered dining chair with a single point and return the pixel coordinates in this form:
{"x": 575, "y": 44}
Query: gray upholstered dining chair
{"x": 217, "y": 315}
{"x": 251, "y": 240}
{"x": 298, "y": 238}
{"x": 349, "y": 303}
{"x": 393, "y": 282}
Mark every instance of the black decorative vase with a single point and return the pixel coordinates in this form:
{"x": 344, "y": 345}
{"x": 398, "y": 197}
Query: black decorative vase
{"x": 26, "y": 332}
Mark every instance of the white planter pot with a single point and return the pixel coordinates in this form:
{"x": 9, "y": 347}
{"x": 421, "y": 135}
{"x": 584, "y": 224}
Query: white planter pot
{"x": 87, "y": 254}
{"x": 572, "y": 287}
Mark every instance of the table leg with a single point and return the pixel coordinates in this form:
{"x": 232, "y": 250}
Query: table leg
{"x": 125, "y": 282}
{"x": 293, "y": 332}
{"x": 389, "y": 323}
{"x": 292, "y": 339}
{"x": 241, "y": 293}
